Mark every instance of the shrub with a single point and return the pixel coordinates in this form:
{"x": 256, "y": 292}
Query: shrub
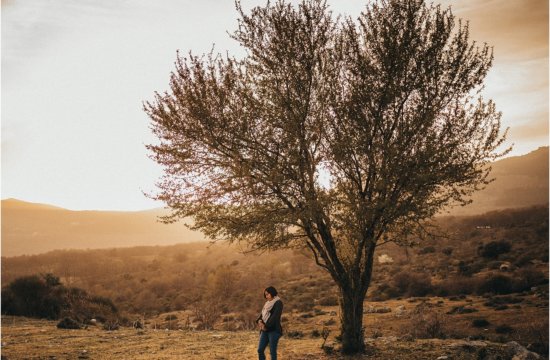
{"x": 304, "y": 303}
{"x": 496, "y": 284}
{"x": 480, "y": 323}
{"x": 329, "y": 300}
{"x": 447, "y": 251}
{"x": 45, "y": 297}
{"x": 462, "y": 310}
{"x": 426, "y": 323}
{"x": 68, "y": 323}
{"x": 294, "y": 334}
{"x": 493, "y": 249}
{"x": 459, "y": 285}
{"x": 427, "y": 250}
{"x": 412, "y": 284}
{"x": 529, "y": 277}
{"x": 504, "y": 329}
{"x": 33, "y": 296}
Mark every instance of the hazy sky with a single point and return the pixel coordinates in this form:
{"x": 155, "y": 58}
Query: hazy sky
{"x": 75, "y": 74}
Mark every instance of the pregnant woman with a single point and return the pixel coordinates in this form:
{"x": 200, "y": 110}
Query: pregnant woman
{"x": 269, "y": 323}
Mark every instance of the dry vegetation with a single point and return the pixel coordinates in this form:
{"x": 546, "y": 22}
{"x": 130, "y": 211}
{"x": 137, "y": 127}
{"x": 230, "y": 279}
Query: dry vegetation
{"x": 480, "y": 288}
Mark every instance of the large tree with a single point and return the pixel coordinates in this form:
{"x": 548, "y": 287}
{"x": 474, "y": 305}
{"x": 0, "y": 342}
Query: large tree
{"x": 335, "y": 135}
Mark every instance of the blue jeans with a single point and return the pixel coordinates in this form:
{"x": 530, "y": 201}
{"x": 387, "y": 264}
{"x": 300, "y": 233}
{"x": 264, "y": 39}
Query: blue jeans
{"x": 271, "y": 338}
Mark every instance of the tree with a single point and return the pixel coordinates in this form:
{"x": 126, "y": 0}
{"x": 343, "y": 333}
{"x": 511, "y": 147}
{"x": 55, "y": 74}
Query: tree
{"x": 337, "y": 136}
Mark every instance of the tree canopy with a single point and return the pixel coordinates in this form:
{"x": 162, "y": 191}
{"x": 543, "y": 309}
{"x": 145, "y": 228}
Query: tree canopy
{"x": 331, "y": 134}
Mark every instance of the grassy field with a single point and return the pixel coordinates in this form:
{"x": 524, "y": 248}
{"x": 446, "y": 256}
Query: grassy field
{"x": 398, "y": 334}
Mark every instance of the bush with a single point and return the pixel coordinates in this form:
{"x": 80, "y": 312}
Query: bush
{"x": 459, "y": 285}
{"x": 529, "y": 277}
{"x": 462, "y": 310}
{"x": 294, "y": 334}
{"x": 496, "y": 284}
{"x": 504, "y": 329}
{"x": 33, "y": 296}
{"x": 493, "y": 249}
{"x": 45, "y": 297}
{"x": 478, "y": 323}
{"x": 304, "y": 303}
{"x": 68, "y": 323}
{"x": 427, "y": 324}
{"x": 329, "y": 300}
{"x": 411, "y": 284}
{"x": 427, "y": 250}
{"x": 447, "y": 251}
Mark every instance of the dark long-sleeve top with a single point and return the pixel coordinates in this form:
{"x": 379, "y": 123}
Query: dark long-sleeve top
{"x": 273, "y": 323}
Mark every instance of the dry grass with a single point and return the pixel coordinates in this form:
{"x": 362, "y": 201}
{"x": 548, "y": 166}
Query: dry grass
{"x": 386, "y": 335}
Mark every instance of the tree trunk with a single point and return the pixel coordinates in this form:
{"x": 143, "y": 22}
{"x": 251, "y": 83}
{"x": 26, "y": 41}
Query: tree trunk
{"x": 351, "y": 316}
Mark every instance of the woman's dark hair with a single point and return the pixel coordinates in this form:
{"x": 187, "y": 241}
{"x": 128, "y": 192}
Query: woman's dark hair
{"x": 271, "y": 290}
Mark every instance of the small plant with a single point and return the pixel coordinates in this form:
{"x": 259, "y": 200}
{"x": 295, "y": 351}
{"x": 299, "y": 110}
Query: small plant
{"x": 462, "y": 310}
{"x": 325, "y": 333}
{"x": 479, "y": 323}
{"x": 377, "y": 333}
{"x": 171, "y": 317}
{"x": 68, "y": 323}
{"x": 493, "y": 249}
{"x": 329, "y": 300}
{"x": 315, "y": 333}
{"x": 426, "y": 323}
{"x": 294, "y": 334}
{"x": 504, "y": 329}
{"x": 111, "y": 325}
{"x": 427, "y": 250}
{"x": 496, "y": 284}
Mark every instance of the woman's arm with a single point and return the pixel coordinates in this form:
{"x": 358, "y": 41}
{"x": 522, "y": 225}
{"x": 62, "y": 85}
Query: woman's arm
{"x": 275, "y": 315}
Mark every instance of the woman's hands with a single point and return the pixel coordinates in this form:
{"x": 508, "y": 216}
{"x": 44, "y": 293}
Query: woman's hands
{"x": 261, "y": 325}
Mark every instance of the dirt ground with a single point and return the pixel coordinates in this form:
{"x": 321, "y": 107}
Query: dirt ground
{"x": 24, "y": 338}
{"x": 389, "y": 335}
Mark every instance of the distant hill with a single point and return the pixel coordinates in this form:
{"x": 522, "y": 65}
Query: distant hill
{"x": 29, "y": 228}
{"x": 520, "y": 181}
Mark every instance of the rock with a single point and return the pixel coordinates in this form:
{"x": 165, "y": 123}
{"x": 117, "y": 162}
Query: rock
{"x": 400, "y": 310}
{"x": 442, "y": 357}
{"x": 385, "y": 259}
{"x": 518, "y": 352}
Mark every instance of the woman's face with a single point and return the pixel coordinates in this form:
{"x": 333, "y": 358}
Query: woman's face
{"x": 267, "y": 295}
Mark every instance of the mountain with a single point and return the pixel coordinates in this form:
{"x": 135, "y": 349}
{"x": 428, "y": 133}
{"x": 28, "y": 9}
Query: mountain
{"x": 520, "y": 181}
{"x": 29, "y": 228}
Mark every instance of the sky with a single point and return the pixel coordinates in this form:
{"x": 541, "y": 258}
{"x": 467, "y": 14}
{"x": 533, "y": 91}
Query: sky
{"x": 75, "y": 74}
